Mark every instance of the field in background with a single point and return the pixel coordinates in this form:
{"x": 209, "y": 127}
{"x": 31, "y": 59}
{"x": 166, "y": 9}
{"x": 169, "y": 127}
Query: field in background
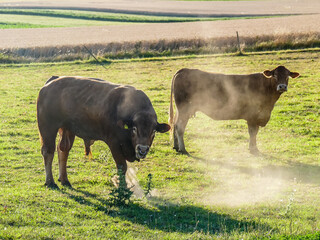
{"x": 216, "y": 0}
{"x": 22, "y": 18}
{"x": 159, "y": 23}
{"x": 30, "y": 18}
{"x": 160, "y": 48}
{"x": 223, "y": 192}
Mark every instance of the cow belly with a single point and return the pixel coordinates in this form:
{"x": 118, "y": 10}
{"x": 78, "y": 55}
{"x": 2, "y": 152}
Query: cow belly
{"x": 223, "y": 113}
{"x": 84, "y": 130}
{"x": 223, "y": 116}
{"x": 249, "y": 112}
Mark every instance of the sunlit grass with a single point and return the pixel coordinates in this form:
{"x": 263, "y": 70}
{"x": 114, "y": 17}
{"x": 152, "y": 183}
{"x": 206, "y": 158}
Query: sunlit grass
{"x": 223, "y": 193}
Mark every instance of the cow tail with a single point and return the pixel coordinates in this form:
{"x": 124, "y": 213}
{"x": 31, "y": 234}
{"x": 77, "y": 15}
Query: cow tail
{"x": 51, "y": 79}
{"x": 171, "y": 113}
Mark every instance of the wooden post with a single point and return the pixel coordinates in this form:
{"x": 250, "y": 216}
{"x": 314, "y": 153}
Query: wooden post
{"x": 240, "y": 53}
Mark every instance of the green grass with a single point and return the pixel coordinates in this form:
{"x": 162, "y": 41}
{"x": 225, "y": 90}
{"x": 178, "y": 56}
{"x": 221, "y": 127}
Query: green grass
{"x": 9, "y": 25}
{"x": 40, "y": 21}
{"x": 75, "y": 18}
{"x": 224, "y": 193}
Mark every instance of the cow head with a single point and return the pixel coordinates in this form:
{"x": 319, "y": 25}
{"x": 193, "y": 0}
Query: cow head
{"x": 281, "y": 76}
{"x": 142, "y": 128}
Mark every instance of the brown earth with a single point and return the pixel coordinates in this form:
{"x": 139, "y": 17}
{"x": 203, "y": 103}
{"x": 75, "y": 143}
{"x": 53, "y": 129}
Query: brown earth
{"x": 208, "y": 8}
{"x": 46, "y": 37}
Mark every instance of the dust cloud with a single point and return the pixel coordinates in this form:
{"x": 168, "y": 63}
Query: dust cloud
{"x": 237, "y": 182}
{"x": 133, "y": 184}
{"x": 236, "y": 185}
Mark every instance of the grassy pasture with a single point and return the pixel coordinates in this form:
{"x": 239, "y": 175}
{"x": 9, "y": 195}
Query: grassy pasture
{"x": 223, "y": 193}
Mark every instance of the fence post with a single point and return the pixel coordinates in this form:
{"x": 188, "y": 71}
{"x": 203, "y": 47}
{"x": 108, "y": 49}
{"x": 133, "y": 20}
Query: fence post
{"x": 240, "y": 53}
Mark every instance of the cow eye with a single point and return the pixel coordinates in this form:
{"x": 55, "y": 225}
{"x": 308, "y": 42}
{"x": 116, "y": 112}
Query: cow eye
{"x": 134, "y": 130}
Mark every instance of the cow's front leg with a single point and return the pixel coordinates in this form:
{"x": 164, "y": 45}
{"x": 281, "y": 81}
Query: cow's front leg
{"x": 121, "y": 163}
{"x": 65, "y": 144}
{"x": 120, "y": 179}
{"x": 253, "y": 131}
{"x": 122, "y": 167}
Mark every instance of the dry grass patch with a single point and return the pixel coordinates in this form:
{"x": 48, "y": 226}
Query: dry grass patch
{"x": 142, "y": 49}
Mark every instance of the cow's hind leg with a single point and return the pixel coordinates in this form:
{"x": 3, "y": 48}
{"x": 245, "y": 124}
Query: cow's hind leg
{"x": 179, "y": 129}
{"x": 65, "y": 144}
{"x": 253, "y": 131}
{"x": 48, "y": 137}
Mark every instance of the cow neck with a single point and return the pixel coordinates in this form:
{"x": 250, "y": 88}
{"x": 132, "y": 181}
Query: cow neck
{"x": 274, "y": 94}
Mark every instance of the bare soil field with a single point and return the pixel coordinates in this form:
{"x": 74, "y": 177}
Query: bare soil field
{"x": 308, "y": 22}
{"x": 45, "y": 37}
{"x": 186, "y": 8}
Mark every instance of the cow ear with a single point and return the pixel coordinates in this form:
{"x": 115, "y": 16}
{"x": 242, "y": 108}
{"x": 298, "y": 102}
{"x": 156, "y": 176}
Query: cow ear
{"x": 268, "y": 73}
{"x": 162, "y": 127}
{"x": 294, "y": 74}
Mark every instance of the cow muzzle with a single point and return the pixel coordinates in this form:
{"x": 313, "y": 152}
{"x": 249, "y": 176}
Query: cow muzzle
{"x": 282, "y": 88}
{"x": 142, "y": 151}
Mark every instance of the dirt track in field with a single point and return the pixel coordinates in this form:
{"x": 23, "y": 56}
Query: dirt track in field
{"x": 44, "y": 37}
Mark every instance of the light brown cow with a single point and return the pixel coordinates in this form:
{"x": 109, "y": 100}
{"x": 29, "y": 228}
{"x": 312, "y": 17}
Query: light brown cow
{"x": 226, "y": 97}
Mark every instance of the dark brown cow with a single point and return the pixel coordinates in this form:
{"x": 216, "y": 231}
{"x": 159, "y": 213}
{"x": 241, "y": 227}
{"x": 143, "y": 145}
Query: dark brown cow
{"x": 226, "y": 97}
{"x": 87, "y": 142}
{"x": 93, "y": 109}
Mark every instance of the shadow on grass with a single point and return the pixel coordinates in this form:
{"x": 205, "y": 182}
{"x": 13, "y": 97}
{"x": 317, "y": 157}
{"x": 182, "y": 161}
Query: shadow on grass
{"x": 292, "y": 171}
{"x": 166, "y": 216}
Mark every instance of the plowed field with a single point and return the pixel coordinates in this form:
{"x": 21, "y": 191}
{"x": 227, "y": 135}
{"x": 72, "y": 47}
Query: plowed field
{"x": 307, "y": 22}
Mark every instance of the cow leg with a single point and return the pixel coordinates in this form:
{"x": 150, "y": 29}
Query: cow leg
{"x": 48, "y": 155}
{"x": 175, "y": 138}
{"x": 179, "y": 128}
{"x": 65, "y": 144}
{"x": 253, "y": 131}
{"x": 121, "y": 163}
{"x": 87, "y": 149}
{"x": 47, "y": 151}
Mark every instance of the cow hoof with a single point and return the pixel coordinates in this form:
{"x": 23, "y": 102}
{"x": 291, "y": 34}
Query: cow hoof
{"x": 255, "y": 152}
{"x": 184, "y": 152}
{"x": 66, "y": 184}
{"x": 176, "y": 148}
{"x": 51, "y": 185}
